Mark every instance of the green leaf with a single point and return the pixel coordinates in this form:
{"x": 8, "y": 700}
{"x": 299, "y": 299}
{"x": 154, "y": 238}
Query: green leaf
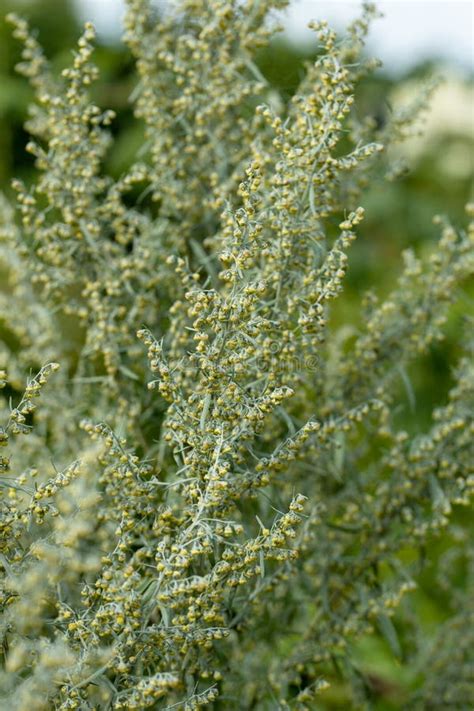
{"x": 389, "y": 633}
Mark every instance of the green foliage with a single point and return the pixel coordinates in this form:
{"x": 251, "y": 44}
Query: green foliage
{"x": 228, "y": 535}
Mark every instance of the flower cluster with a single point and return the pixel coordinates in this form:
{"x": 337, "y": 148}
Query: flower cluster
{"x": 221, "y": 537}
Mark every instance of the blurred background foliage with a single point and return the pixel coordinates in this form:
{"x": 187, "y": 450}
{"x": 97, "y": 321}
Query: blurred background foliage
{"x": 437, "y": 178}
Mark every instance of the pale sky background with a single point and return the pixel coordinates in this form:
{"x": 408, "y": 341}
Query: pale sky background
{"x": 412, "y": 30}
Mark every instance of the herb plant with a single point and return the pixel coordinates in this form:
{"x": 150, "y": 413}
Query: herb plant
{"x": 213, "y": 502}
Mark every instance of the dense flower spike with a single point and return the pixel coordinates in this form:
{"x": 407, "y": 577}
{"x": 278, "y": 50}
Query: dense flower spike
{"x": 150, "y": 537}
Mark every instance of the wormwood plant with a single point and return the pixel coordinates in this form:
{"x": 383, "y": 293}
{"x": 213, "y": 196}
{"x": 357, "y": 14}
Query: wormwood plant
{"x": 223, "y": 536}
